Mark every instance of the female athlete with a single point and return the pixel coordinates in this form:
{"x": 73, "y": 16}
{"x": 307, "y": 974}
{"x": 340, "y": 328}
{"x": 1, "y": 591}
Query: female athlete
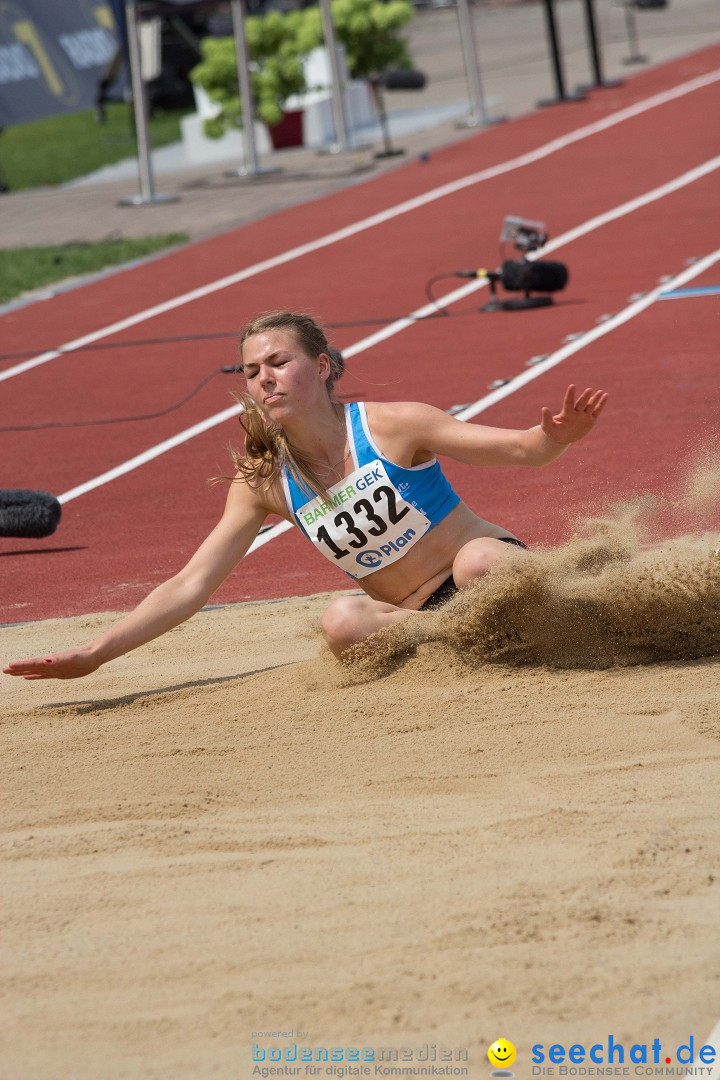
{"x": 362, "y": 483}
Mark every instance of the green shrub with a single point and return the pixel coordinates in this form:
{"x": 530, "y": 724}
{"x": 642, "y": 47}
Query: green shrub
{"x": 276, "y": 71}
{"x": 369, "y": 30}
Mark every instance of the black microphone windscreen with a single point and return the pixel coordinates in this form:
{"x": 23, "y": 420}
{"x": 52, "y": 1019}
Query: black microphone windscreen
{"x": 514, "y": 274}
{"x": 548, "y": 276}
{"x": 519, "y": 275}
{"x": 401, "y": 79}
{"x": 28, "y": 513}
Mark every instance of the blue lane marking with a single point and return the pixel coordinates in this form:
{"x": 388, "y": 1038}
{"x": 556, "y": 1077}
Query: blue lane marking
{"x": 680, "y": 294}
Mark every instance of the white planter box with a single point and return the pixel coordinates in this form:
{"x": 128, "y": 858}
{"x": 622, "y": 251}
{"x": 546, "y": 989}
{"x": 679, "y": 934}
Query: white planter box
{"x": 200, "y": 149}
{"x": 318, "y": 121}
{"x": 316, "y": 105}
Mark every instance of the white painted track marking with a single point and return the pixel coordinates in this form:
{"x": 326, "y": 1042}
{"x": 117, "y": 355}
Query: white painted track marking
{"x": 148, "y": 455}
{"x": 582, "y": 342}
{"x": 561, "y": 241}
{"x": 405, "y": 207}
{"x": 395, "y": 328}
{"x": 551, "y": 361}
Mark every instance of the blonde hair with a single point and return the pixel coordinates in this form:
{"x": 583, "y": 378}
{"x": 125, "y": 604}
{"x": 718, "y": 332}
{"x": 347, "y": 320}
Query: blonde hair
{"x": 267, "y": 447}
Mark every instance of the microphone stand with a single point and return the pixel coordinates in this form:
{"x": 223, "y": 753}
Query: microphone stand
{"x": 389, "y": 150}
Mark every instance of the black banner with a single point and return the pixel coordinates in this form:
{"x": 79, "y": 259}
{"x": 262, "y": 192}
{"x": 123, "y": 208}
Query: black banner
{"x": 53, "y": 56}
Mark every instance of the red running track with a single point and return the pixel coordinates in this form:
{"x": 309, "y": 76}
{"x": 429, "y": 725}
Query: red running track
{"x": 122, "y": 538}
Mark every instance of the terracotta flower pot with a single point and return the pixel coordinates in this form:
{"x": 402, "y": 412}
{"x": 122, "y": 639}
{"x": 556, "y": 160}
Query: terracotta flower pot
{"x": 289, "y": 132}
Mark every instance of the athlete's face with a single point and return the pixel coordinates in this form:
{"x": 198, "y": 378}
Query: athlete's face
{"x": 281, "y": 379}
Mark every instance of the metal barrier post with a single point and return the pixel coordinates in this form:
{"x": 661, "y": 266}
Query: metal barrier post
{"x": 338, "y": 105}
{"x": 251, "y": 167}
{"x": 478, "y": 114}
{"x": 594, "y": 49}
{"x": 554, "y": 40}
{"x": 147, "y": 195}
{"x": 635, "y": 57}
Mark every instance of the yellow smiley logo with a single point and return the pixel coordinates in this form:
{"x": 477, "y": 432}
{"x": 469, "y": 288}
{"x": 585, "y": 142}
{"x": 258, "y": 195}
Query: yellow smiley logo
{"x": 501, "y": 1053}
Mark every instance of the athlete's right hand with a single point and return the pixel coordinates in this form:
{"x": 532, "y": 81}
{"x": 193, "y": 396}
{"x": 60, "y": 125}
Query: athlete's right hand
{"x": 68, "y": 665}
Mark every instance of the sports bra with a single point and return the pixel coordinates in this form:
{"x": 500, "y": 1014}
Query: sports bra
{"x": 377, "y": 512}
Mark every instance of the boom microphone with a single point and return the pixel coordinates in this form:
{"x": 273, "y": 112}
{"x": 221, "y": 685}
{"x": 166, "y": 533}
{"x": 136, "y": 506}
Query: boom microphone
{"x": 522, "y": 275}
{"x": 519, "y": 275}
{"x": 28, "y": 513}
{"x": 399, "y": 79}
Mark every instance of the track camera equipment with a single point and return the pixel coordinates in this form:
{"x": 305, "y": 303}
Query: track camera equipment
{"x": 523, "y": 275}
{"x": 28, "y": 513}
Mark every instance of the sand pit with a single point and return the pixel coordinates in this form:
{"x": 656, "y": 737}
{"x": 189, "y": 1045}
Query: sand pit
{"x": 511, "y": 832}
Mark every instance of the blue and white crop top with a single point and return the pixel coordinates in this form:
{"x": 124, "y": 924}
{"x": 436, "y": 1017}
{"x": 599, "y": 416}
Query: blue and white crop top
{"x": 377, "y": 512}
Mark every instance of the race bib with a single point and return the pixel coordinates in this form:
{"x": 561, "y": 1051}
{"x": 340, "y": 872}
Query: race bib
{"x": 366, "y": 526}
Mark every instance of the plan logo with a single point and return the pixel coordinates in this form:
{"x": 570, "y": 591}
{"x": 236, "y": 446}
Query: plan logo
{"x": 369, "y": 558}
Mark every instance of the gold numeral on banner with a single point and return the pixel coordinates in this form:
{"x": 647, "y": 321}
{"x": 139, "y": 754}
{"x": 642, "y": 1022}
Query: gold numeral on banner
{"x": 26, "y": 33}
{"x": 105, "y": 17}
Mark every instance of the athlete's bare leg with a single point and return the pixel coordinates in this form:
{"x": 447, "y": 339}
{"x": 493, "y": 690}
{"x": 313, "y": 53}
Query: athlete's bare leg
{"x": 475, "y": 558}
{"x": 351, "y": 619}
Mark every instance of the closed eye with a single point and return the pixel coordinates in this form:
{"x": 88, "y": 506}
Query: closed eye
{"x": 253, "y": 371}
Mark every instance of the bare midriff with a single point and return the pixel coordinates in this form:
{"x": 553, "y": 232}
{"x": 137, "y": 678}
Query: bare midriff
{"x": 411, "y": 580}
{"x": 427, "y": 564}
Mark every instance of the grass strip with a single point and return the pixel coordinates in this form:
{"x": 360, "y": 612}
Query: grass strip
{"x": 26, "y": 268}
{"x": 60, "y": 148}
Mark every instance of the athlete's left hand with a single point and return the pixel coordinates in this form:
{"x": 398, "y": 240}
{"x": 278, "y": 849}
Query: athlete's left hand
{"x": 576, "y": 418}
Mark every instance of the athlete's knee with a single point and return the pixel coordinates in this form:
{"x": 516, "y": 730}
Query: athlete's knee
{"x": 351, "y": 619}
{"x": 476, "y": 557}
{"x": 341, "y": 622}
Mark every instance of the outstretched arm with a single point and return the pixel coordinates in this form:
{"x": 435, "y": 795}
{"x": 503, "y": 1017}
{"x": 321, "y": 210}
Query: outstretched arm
{"x": 434, "y": 432}
{"x": 556, "y": 432}
{"x": 170, "y": 603}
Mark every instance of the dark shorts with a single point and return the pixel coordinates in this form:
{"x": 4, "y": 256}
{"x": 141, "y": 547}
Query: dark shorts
{"x": 448, "y": 589}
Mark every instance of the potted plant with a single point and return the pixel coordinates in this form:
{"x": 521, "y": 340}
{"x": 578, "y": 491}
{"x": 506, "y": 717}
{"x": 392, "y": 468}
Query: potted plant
{"x": 276, "y": 73}
{"x": 370, "y": 33}
{"x": 369, "y": 30}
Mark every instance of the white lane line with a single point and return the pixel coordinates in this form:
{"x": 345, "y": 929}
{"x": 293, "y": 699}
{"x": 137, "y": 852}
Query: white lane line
{"x": 148, "y": 455}
{"x": 405, "y": 207}
{"x": 269, "y": 535}
{"x": 587, "y": 339}
{"x": 713, "y": 1040}
{"x": 550, "y": 362}
{"x": 561, "y": 241}
{"x": 402, "y": 324}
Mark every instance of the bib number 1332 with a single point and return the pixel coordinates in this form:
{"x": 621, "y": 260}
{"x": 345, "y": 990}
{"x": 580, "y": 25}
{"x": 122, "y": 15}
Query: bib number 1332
{"x": 367, "y": 526}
